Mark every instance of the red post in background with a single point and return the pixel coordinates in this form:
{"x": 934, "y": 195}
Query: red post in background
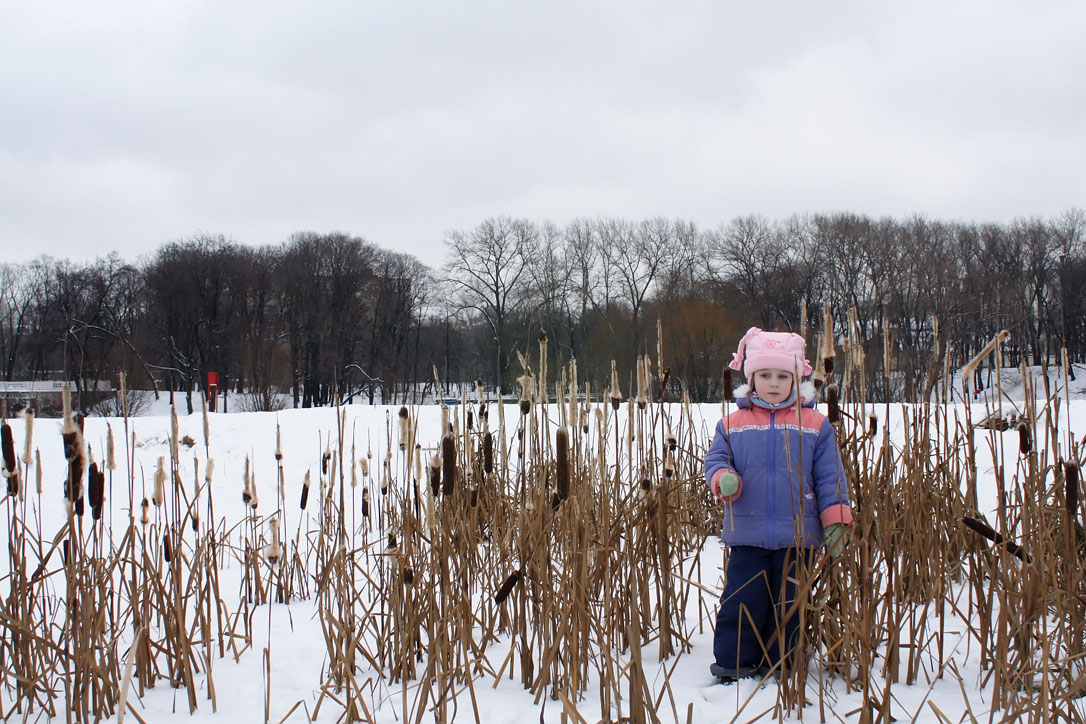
{"x": 212, "y": 391}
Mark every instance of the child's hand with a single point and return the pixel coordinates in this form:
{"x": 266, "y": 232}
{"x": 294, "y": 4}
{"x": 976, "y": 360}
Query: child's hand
{"x": 835, "y": 539}
{"x": 725, "y": 485}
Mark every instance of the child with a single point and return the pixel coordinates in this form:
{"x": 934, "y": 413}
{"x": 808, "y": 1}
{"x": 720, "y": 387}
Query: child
{"x": 787, "y": 495}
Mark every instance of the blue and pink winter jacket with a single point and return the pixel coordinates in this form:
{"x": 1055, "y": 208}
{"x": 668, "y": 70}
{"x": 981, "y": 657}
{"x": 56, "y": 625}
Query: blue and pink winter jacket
{"x": 791, "y": 484}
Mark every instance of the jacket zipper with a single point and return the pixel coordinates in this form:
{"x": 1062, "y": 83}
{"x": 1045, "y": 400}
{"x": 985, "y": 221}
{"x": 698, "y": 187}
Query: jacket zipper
{"x": 771, "y": 479}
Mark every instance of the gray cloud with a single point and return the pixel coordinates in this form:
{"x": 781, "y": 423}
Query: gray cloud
{"x": 129, "y": 124}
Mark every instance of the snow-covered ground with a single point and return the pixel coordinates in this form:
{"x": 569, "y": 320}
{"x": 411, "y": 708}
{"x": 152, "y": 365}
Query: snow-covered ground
{"x": 292, "y": 632}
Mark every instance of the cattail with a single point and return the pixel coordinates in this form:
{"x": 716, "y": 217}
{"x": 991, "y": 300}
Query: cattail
{"x": 195, "y": 521}
{"x": 408, "y": 576}
{"x": 672, "y": 443}
{"x": 473, "y": 497}
{"x": 145, "y": 518}
{"x": 11, "y": 468}
{"x": 818, "y": 379}
{"x": 669, "y": 466}
{"x": 727, "y": 384}
{"x": 507, "y": 587}
{"x": 278, "y": 443}
{"x": 74, "y": 491}
{"x": 28, "y": 417}
{"x": 365, "y": 502}
{"x": 616, "y": 394}
{"x": 167, "y": 548}
{"x": 174, "y": 432}
{"x": 418, "y": 462}
{"x": 254, "y": 499}
{"x": 543, "y": 367}
{"x": 275, "y": 551}
{"x": 827, "y": 352}
{"x": 326, "y": 458}
{"x": 527, "y": 383}
{"x": 833, "y": 414}
{"x": 872, "y": 423}
{"x": 37, "y": 470}
{"x": 246, "y": 493}
{"x": 160, "y": 482}
{"x": 448, "y": 465}
{"x": 392, "y": 541}
{"x": 365, "y": 468}
{"x": 642, "y": 382}
{"x": 1070, "y": 482}
{"x": 979, "y": 526}
{"x": 1025, "y": 440}
{"x": 488, "y": 453}
{"x": 96, "y": 487}
{"x": 209, "y": 471}
{"x": 111, "y": 456}
{"x": 405, "y": 427}
{"x": 435, "y": 474}
{"x": 471, "y": 420}
{"x": 561, "y": 445}
{"x": 305, "y": 491}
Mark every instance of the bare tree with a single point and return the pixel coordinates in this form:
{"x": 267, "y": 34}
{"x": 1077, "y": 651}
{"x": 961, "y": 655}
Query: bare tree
{"x": 488, "y": 268}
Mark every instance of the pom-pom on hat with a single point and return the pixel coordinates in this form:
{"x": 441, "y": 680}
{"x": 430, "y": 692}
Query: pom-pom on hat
{"x": 760, "y": 350}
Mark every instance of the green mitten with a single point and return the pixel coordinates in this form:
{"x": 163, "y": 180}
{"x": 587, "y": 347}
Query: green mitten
{"x": 726, "y": 485}
{"x": 835, "y": 539}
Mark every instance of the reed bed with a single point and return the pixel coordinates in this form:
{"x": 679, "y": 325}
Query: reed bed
{"x": 559, "y": 544}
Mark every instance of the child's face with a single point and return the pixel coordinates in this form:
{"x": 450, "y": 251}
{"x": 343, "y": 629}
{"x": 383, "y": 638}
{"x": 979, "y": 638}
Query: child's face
{"x": 773, "y": 386}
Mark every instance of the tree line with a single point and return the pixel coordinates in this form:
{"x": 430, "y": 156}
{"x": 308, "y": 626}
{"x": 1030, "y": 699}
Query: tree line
{"x": 328, "y": 317}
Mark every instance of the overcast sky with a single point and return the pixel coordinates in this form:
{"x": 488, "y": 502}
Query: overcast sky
{"x": 127, "y": 124}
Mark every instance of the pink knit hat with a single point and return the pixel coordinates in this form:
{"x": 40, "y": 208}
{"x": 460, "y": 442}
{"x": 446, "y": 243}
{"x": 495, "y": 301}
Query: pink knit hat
{"x": 760, "y": 350}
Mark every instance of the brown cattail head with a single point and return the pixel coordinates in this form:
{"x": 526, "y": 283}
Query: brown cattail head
{"x": 96, "y": 490}
{"x": 872, "y": 423}
{"x": 488, "y": 453}
{"x": 507, "y": 586}
{"x": 1070, "y": 478}
{"x": 1025, "y": 440}
{"x": 160, "y": 482}
{"x": 833, "y": 414}
{"x": 305, "y": 491}
{"x": 11, "y": 468}
{"x": 145, "y": 517}
{"x": 167, "y": 548}
{"x": 471, "y": 420}
{"x": 728, "y": 385}
{"x": 326, "y": 458}
{"x": 435, "y": 474}
{"x": 7, "y": 445}
{"x": 669, "y": 466}
{"x": 448, "y": 464}
{"x": 408, "y": 576}
{"x": 561, "y": 445}
{"x": 672, "y": 443}
{"x": 366, "y": 503}
{"x": 278, "y": 442}
{"x": 392, "y": 541}
{"x": 405, "y": 427}
{"x": 73, "y": 489}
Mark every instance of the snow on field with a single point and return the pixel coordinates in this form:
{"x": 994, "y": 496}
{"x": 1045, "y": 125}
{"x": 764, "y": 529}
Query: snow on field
{"x": 292, "y": 632}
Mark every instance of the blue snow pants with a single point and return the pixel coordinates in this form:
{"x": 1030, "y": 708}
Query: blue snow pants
{"x": 759, "y": 588}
